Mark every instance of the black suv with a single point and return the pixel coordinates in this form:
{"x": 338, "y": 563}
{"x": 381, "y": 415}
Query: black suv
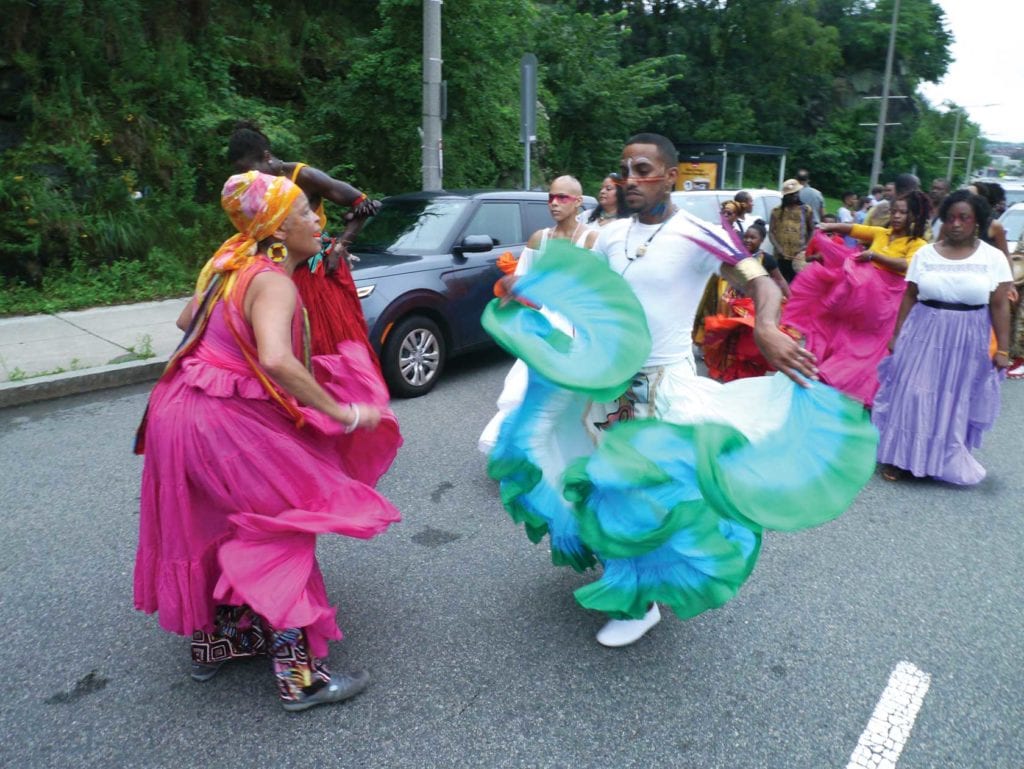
{"x": 426, "y": 270}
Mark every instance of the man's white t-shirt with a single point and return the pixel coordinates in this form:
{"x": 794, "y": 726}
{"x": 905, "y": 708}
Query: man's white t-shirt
{"x": 669, "y": 279}
{"x": 960, "y": 281}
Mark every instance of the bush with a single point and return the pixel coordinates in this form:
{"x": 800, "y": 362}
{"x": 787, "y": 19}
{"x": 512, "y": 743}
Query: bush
{"x": 158, "y": 275}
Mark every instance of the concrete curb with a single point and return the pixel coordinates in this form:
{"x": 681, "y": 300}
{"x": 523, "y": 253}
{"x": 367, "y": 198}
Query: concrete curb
{"x": 77, "y": 382}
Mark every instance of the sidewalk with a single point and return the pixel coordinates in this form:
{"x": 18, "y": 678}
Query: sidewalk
{"x": 50, "y": 356}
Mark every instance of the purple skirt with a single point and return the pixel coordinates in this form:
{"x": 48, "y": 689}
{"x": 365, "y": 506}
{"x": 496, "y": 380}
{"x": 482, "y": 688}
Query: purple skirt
{"x": 938, "y": 393}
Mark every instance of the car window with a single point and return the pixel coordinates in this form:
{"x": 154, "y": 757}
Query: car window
{"x": 411, "y": 226}
{"x": 1013, "y": 221}
{"x": 763, "y": 207}
{"x": 537, "y": 217}
{"x": 499, "y": 220}
{"x": 1014, "y": 195}
{"x": 704, "y": 207}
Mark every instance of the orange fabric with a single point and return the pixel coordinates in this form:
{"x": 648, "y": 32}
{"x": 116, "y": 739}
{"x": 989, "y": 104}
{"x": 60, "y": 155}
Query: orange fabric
{"x": 507, "y": 264}
{"x": 257, "y": 204}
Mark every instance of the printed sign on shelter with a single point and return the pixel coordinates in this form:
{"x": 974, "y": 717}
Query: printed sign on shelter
{"x": 697, "y": 176}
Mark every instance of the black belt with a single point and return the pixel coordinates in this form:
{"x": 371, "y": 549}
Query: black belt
{"x": 952, "y": 305}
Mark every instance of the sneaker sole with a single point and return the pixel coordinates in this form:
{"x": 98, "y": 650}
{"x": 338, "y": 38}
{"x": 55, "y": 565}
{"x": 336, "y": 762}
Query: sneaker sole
{"x": 204, "y": 674}
{"x": 327, "y": 696}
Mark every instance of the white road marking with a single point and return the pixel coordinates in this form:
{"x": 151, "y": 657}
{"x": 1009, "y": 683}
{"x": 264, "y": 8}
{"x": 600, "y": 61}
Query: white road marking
{"x": 889, "y": 727}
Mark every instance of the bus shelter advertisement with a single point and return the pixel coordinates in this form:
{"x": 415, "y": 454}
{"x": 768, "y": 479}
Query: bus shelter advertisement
{"x": 702, "y": 175}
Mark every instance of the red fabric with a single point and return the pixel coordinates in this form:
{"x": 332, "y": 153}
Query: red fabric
{"x": 335, "y": 312}
{"x": 729, "y": 348}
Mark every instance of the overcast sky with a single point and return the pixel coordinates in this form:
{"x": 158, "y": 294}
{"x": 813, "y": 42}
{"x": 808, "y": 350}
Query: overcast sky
{"x": 988, "y": 65}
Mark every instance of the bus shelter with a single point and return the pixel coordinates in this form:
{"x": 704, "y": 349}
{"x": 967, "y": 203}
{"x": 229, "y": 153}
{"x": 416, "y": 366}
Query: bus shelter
{"x": 706, "y": 165}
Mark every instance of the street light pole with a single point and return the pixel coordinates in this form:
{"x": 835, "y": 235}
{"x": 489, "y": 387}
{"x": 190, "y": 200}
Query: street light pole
{"x": 883, "y": 110}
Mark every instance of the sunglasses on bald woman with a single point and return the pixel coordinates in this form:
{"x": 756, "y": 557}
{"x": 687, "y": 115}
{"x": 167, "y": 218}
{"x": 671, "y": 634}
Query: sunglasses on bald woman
{"x": 561, "y": 197}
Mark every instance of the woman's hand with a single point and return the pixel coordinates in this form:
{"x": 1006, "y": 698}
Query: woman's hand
{"x": 1001, "y": 360}
{"x": 865, "y": 256}
{"x": 1012, "y": 295}
{"x": 361, "y": 416}
{"x": 338, "y": 252}
{"x": 366, "y": 208}
{"x": 504, "y": 289}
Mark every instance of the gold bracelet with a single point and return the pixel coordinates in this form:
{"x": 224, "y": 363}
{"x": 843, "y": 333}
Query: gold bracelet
{"x": 750, "y": 268}
{"x": 1003, "y": 352}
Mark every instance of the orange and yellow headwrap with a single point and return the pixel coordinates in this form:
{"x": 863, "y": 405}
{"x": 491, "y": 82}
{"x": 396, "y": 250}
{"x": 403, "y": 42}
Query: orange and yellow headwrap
{"x": 257, "y": 205}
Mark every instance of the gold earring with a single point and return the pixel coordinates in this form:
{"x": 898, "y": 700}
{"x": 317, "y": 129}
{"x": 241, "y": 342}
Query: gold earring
{"x": 278, "y": 252}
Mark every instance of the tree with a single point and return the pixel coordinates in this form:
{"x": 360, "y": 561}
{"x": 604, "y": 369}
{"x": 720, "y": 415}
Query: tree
{"x": 593, "y": 101}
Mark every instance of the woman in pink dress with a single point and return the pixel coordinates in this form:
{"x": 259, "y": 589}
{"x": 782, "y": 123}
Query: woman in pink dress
{"x": 252, "y": 448}
{"x": 845, "y": 302}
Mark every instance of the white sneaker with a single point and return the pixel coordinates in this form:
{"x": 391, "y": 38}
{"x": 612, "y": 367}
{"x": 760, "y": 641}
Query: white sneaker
{"x": 623, "y": 632}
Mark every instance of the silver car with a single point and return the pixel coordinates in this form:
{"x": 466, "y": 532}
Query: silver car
{"x": 706, "y": 204}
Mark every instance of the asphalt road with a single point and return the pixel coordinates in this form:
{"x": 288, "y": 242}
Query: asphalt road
{"x": 479, "y": 656}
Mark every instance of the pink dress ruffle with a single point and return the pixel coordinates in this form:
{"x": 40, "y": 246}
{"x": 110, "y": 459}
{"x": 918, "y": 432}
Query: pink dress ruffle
{"x": 233, "y": 494}
{"x": 846, "y": 311}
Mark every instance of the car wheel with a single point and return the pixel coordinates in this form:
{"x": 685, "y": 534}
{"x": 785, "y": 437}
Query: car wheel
{"x": 413, "y": 357}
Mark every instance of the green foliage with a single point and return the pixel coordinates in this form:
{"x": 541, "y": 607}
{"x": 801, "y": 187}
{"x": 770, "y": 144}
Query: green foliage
{"x": 592, "y": 102}
{"x": 139, "y": 96}
{"x": 158, "y": 275}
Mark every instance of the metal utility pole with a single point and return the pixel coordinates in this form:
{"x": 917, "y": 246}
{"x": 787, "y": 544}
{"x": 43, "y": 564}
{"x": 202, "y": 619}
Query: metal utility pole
{"x": 431, "y": 150}
{"x": 527, "y": 110}
{"x": 970, "y": 162}
{"x": 952, "y": 146}
{"x": 883, "y": 110}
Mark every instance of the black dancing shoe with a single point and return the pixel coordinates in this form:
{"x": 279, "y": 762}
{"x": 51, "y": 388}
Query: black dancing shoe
{"x": 341, "y": 687}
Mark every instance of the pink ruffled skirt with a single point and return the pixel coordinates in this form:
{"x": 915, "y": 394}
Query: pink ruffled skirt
{"x": 846, "y": 311}
{"x": 233, "y": 495}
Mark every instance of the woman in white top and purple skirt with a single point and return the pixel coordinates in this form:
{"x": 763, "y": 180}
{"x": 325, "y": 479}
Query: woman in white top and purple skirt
{"x": 940, "y": 388}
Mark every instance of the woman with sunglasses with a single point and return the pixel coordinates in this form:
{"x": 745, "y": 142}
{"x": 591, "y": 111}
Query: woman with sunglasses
{"x": 565, "y": 195}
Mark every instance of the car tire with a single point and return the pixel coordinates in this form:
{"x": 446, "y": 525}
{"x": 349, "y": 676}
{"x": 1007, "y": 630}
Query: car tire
{"x": 413, "y": 357}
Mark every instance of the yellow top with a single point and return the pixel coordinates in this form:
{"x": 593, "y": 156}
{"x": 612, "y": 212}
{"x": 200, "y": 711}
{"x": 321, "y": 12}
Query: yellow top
{"x": 882, "y": 242}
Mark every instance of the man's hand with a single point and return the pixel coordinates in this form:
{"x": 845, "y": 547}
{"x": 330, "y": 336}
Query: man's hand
{"x": 784, "y": 354}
